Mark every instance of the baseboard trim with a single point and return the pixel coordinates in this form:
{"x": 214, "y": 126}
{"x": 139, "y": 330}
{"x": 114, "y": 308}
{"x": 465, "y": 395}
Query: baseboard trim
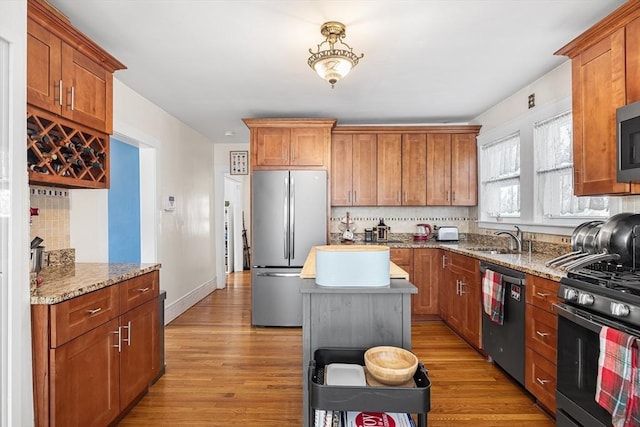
{"x": 181, "y": 305}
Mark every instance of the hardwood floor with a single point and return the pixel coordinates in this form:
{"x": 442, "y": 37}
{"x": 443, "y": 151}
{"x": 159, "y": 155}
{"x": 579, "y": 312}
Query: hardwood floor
{"x": 221, "y": 371}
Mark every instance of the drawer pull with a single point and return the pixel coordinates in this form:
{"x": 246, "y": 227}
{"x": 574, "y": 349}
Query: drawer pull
{"x": 94, "y": 311}
{"x": 143, "y": 290}
{"x": 541, "y": 381}
{"x": 119, "y": 333}
{"x": 542, "y": 334}
{"x": 542, "y": 295}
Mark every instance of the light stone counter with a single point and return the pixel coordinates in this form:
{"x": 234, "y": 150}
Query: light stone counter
{"x": 70, "y": 281}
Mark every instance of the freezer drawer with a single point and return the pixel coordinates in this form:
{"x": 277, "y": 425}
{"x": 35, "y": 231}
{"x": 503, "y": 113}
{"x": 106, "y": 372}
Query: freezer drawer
{"x": 275, "y": 297}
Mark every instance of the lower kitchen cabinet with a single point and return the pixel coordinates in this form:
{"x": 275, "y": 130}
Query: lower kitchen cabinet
{"x": 541, "y": 327}
{"x": 426, "y": 277}
{"x": 403, "y": 258}
{"x": 461, "y": 297}
{"x": 95, "y": 354}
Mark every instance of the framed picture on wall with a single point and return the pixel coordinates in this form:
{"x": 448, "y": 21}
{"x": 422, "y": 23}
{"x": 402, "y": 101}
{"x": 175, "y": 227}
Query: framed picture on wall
{"x": 239, "y": 162}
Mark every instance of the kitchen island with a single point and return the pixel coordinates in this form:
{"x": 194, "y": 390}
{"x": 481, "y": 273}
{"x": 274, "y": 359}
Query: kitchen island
{"x": 353, "y": 317}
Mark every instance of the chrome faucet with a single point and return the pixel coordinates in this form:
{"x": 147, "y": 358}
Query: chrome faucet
{"x": 517, "y": 237}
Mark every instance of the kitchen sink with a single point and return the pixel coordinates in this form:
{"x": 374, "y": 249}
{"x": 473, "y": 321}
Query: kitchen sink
{"x": 492, "y": 251}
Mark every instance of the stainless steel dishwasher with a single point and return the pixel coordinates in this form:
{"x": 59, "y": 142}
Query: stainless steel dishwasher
{"x": 505, "y": 343}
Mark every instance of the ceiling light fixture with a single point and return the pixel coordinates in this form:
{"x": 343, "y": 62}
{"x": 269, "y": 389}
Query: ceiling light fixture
{"x": 334, "y": 63}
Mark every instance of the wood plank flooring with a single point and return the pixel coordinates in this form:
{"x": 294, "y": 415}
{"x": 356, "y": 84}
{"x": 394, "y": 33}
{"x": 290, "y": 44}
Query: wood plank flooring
{"x": 221, "y": 371}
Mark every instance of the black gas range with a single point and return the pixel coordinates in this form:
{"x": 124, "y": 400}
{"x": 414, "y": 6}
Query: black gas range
{"x": 597, "y": 296}
{"x": 604, "y": 288}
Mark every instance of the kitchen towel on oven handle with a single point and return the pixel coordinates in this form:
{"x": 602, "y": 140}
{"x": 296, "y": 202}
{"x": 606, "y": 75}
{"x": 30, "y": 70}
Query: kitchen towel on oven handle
{"x": 617, "y": 386}
{"x": 493, "y": 296}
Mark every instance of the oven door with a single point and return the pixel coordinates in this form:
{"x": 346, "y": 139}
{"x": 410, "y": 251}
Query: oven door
{"x": 577, "y": 375}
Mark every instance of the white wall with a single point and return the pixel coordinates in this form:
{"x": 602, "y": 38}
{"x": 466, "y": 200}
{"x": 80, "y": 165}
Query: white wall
{"x": 184, "y": 169}
{"x": 16, "y": 399}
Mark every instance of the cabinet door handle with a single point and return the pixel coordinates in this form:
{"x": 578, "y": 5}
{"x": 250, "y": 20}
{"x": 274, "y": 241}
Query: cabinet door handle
{"x": 143, "y": 290}
{"x": 453, "y": 196}
{"x": 73, "y": 96}
{"x": 60, "y": 93}
{"x": 128, "y": 338}
{"x": 355, "y": 196}
{"x": 349, "y": 197}
{"x": 399, "y": 197}
{"x": 448, "y": 195}
{"x": 542, "y": 334}
{"x": 542, "y": 381}
{"x": 94, "y": 311}
{"x": 444, "y": 261}
{"x": 462, "y": 284}
{"x": 542, "y": 295}
{"x": 119, "y": 345}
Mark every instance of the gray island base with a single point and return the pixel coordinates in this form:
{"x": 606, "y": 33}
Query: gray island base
{"x": 352, "y": 317}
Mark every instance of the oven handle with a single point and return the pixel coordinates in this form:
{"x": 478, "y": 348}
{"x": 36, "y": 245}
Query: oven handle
{"x": 590, "y": 321}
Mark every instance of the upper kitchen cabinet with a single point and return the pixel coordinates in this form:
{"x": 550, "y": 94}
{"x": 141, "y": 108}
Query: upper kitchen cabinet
{"x": 414, "y": 169}
{"x": 286, "y": 143}
{"x": 452, "y": 166}
{"x": 402, "y": 169}
{"x": 389, "y": 169}
{"x": 67, "y": 73}
{"x": 605, "y": 76}
{"x": 354, "y": 172}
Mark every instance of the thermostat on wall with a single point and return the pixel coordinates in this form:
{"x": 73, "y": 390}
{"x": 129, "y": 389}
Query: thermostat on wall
{"x": 170, "y": 203}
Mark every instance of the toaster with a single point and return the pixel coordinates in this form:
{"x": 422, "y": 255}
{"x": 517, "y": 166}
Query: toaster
{"x": 447, "y": 234}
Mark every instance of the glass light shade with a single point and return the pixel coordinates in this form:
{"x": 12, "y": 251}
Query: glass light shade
{"x": 333, "y": 68}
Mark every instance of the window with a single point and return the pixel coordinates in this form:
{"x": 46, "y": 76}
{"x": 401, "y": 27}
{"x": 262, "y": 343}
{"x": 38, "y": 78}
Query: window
{"x": 553, "y": 148}
{"x": 500, "y": 177}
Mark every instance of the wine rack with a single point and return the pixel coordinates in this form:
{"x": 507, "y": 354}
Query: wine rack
{"x": 63, "y": 153}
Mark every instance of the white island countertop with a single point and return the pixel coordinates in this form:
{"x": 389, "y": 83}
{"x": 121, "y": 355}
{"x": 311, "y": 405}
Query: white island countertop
{"x": 309, "y": 268}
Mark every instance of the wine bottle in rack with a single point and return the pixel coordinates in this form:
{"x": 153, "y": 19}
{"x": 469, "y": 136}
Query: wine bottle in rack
{"x": 39, "y": 169}
{"x": 101, "y": 154}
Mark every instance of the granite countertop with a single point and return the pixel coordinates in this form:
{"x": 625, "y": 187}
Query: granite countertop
{"x": 68, "y": 281}
{"x": 533, "y": 263}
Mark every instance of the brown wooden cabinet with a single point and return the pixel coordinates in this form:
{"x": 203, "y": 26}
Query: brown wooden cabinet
{"x": 453, "y": 172}
{"x": 414, "y": 169}
{"x": 416, "y": 165}
{"x": 463, "y": 311}
{"x": 95, "y": 354}
{"x": 389, "y": 169}
{"x": 68, "y": 74}
{"x": 403, "y": 258}
{"x": 605, "y": 74}
{"x": 353, "y": 170}
{"x": 541, "y": 326}
{"x": 426, "y": 277}
{"x": 286, "y": 143}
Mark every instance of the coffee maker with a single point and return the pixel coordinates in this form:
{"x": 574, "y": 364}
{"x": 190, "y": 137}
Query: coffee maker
{"x": 382, "y": 231}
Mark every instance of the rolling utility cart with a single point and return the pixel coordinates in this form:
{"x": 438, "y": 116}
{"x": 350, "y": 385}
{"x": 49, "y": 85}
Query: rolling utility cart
{"x": 414, "y": 400}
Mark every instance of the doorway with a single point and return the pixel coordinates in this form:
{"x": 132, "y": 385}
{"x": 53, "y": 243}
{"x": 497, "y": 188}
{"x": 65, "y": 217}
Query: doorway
{"x": 233, "y": 209}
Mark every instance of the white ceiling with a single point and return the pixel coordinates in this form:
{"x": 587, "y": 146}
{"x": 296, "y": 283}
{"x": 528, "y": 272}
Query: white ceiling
{"x": 211, "y": 63}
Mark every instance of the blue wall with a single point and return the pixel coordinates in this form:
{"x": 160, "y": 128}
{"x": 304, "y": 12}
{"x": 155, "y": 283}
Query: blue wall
{"x": 124, "y": 203}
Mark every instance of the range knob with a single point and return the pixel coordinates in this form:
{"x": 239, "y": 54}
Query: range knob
{"x": 619, "y": 309}
{"x": 585, "y": 299}
{"x": 570, "y": 294}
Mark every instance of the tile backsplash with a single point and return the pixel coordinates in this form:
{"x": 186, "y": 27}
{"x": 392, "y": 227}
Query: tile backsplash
{"x": 52, "y": 221}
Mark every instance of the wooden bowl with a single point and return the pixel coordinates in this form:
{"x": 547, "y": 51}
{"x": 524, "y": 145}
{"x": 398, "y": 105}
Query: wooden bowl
{"x": 390, "y": 365}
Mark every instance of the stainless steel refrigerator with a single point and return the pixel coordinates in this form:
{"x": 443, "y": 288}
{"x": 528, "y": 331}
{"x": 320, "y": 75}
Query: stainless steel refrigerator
{"x": 289, "y": 217}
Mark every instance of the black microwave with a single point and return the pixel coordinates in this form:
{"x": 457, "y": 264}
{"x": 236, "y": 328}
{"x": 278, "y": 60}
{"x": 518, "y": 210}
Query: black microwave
{"x": 628, "y": 135}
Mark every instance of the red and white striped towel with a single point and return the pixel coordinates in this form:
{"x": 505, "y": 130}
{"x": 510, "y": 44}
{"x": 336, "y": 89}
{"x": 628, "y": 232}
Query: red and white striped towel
{"x": 493, "y": 296}
{"x": 618, "y": 383}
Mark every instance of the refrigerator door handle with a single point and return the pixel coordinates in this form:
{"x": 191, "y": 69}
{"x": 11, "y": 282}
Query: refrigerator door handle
{"x": 279, "y": 274}
{"x": 285, "y": 231}
{"x": 292, "y": 219}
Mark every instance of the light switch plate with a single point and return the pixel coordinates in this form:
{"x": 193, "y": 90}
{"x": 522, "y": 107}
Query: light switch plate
{"x": 170, "y": 203}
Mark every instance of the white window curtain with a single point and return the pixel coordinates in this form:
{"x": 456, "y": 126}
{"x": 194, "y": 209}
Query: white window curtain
{"x": 500, "y": 179}
{"x": 552, "y": 140}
